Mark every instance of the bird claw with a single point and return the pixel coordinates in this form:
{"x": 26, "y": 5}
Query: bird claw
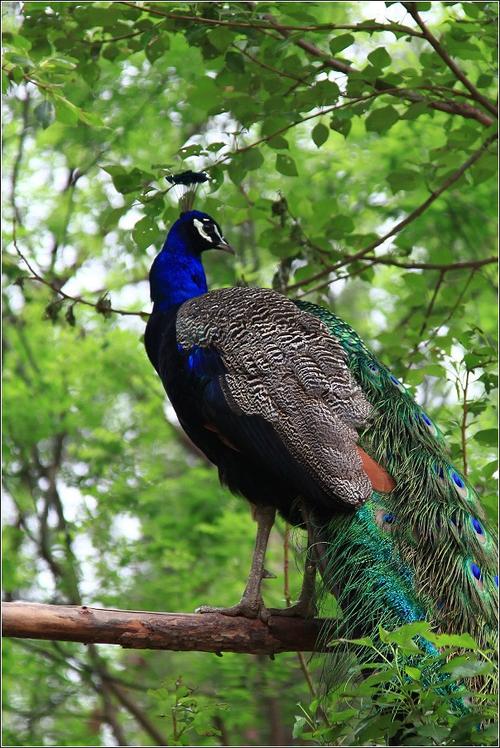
{"x": 301, "y": 609}
{"x": 245, "y": 608}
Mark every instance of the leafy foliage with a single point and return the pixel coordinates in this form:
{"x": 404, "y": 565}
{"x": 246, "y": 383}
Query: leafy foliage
{"x": 321, "y": 130}
{"x": 395, "y": 701}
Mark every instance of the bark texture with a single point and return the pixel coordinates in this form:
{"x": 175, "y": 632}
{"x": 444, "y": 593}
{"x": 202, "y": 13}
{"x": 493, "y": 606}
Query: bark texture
{"x": 207, "y": 632}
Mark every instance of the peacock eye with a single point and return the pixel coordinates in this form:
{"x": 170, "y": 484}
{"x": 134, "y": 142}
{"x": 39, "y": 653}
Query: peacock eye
{"x": 384, "y": 519}
{"x": 459, "y": 484}
{"x": 476, "y": 571}
{"x": 477, "y": 526}
{"x": 395, "y": 381}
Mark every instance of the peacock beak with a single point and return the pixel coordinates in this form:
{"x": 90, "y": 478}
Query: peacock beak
{"x": 225, "y": 247}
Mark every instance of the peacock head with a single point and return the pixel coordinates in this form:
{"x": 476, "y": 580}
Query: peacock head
{"x": 198, "y": 231}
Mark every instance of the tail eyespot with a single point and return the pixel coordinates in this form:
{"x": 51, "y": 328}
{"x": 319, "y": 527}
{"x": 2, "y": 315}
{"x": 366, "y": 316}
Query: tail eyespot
{"x": 459, "y": 484}
{"x": 429, "y": 424}
{"x": 397, "y": 383}
{"x": 373, "y": 369}
{"x": 477, "y": 575}
{"x": 479, "y": 530}
{"x": 385, "y": 519}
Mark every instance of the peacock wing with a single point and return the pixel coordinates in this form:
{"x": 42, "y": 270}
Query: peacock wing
{"x": 284, "y": 391}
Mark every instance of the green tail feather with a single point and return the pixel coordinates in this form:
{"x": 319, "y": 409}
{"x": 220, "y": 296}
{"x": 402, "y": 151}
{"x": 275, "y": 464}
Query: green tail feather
{"x": 422, "y": 552}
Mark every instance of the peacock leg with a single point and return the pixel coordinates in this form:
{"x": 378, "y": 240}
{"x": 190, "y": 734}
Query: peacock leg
{"x": 251, "y": 604}
{"x": 305, "y": 607}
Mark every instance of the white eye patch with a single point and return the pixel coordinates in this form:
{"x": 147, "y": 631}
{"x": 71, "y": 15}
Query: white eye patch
{"x": 201, "y": 229}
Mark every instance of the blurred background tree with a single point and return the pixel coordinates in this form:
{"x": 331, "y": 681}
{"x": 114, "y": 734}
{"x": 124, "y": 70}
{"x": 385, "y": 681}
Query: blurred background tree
{"x": 351, "y": 153}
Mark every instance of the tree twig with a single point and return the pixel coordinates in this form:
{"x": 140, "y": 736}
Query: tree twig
{"x": 103, "y": 306}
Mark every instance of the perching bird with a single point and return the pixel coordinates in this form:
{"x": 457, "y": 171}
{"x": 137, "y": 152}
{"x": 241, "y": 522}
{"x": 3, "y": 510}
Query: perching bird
{"x": 298, "y": 416}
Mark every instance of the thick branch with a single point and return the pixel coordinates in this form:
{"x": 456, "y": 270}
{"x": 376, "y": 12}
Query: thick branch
{"x": 207, "y": 632}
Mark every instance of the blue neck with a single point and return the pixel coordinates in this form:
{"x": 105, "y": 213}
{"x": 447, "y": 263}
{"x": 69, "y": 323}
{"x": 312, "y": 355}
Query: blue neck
{"x": 176, "y": 274}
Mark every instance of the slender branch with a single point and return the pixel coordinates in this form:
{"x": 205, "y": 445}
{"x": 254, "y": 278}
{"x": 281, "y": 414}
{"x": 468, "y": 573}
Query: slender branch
{"x": 299, "y": 121}
{"x": 455, "y": 306}
{"x": 19, "y": 157}
{"x": 102, "y": 306}
{"x": 454, "y": 177}
{"x": 429, "y": 309}
{"x": 100, "y": 42}
{"x": 264, "y": 65}
{"x": 394, "y": 27}
{"x": 110, "y": 716}
{"x": 446, "y": 320}
{"x": 441, "y": 51}
{"x": 464, "y": 110}
{"x": 207, "y": 632}
{"x": 427, "y": 316}
{"x": 464, "y": 264}
{"x": 463, "y": 428}
{"x": 131, "y": 706}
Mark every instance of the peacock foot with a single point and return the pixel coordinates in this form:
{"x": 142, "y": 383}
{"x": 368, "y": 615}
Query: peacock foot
{"x": 247, "y": 608}
{"x": 301, "y": 609}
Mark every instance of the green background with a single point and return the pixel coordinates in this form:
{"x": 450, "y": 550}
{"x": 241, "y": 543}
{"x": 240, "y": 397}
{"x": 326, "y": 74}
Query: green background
{"x": 322, "y": 126}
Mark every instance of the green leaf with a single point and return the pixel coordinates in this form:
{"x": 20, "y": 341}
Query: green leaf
{"x": 252, "y": 159}
{"x": 381, "y": 120}
{"x": 467, "y": 667}
{"x": 220, "y": 38}
{"x": 415, "y": 110}
{"x": 413, "y": 672}
{"x": 380, "y": 58}
{"x": 464, "y": 641}
{"x": 341, "y": 42}
{"x": 66, "y": 112}
{"x": 125, "y": 181}
{"x": 341, "y": 125}
{"x": 235, "y": 62}
{"x": 339, "y": 226}
{"x": 44, "y": 113}
{"x": 156, "y": 47}
{"x": 286, "y": 165}
{"x": 278, "y": 142}
{"x": 344, "y": 715}
{"x": 404, "y": 179}
{"x": 320, "y": 134}
{"x": 145, "y": 232}
{"x": 487, "y": 437}
{"x": 298, "y": 727}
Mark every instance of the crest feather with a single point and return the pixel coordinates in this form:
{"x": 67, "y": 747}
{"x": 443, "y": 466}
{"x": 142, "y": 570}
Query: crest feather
{"x": 190, "y": 181}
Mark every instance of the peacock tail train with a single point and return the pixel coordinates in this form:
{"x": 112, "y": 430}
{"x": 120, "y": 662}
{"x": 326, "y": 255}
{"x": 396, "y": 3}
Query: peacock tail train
{"x": 422, "y": 552}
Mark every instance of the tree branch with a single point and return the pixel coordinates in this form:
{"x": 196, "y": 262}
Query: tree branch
{"x": 454, "y": 177}
{"x": 441, "y": 51}
{"x": 207, "y": 632}
{"x": 370, "y": 26}
{"x": 103, "y": 306}
{"x": 464, "y": 110}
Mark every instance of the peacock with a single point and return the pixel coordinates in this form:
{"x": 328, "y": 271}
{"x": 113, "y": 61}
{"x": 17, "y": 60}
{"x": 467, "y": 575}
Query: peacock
{"x": 300, "y": 418}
